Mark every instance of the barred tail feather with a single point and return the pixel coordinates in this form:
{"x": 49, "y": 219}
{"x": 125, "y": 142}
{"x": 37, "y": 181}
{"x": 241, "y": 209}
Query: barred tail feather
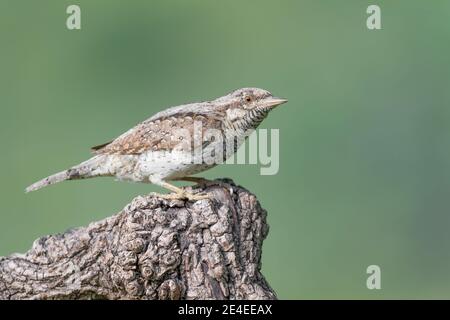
{"x": 88, "y": 169}
{"x": 55, "y": 178}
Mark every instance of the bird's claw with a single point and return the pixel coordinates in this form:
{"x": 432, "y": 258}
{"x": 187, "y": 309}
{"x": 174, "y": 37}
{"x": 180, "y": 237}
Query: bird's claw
{"x": 184, "y": 196}
{"x": 197, "y": 196}
{"x": 206, "y": 183}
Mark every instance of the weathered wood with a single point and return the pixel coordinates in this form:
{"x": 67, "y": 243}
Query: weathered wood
{"x": 152, "y": 249}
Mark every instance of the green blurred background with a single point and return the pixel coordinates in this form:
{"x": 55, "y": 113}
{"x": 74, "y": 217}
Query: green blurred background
{"x": 364, "y": 140}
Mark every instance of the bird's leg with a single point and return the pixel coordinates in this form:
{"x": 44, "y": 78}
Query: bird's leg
{"x": 179, "y": 193}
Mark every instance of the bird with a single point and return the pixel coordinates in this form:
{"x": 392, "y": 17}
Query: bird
{"x": 176, "y": 143}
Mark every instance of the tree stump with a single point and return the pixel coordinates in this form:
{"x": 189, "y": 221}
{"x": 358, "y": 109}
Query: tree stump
{"x": 153, "y": 249}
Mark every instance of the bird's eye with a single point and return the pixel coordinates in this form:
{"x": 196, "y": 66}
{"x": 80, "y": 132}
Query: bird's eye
{"x": 248, "y": 99}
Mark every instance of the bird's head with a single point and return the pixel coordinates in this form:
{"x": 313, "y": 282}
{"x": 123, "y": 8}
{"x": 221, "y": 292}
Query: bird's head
{"x": 249, "y": 105}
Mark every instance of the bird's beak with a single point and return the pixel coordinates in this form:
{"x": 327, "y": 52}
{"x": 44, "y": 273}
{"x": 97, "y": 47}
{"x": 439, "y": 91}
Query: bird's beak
{"x": 273, "y": 102}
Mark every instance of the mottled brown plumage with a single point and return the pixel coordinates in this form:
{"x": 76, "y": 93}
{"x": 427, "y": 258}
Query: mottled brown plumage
{"x": 157, "y": 134}
{"x": 177, "y": 142}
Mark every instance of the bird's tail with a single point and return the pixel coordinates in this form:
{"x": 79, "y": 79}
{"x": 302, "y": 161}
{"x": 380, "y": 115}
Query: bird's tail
{"x": 55, "y": 178}
{"x": 87, "y": 169}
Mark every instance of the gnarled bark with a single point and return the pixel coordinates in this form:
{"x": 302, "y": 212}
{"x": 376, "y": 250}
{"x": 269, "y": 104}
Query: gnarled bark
{"x": 152, "y": 249}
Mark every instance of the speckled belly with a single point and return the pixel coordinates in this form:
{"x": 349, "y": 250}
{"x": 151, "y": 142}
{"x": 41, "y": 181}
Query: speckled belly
{"x": 168, "y": 166}
{"x": 163, "y": 165}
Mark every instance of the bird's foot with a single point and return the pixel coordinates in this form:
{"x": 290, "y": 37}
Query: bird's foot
{"x": 197, "y": 196}
{"x": 205, "y": 183}
{"x": 184, "y": 195}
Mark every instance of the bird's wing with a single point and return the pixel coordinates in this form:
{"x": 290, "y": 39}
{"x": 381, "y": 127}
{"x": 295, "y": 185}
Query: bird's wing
{"x": 158, "y": 133}
{"x": 197, "y": 108}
